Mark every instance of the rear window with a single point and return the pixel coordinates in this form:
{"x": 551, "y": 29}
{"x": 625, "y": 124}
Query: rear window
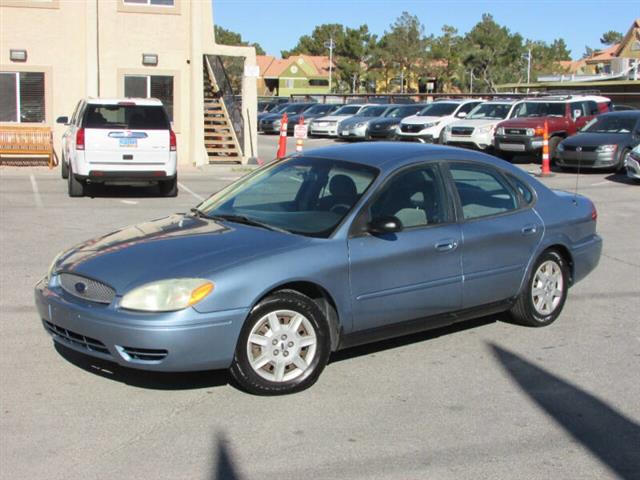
{"x": 130, "y": 117}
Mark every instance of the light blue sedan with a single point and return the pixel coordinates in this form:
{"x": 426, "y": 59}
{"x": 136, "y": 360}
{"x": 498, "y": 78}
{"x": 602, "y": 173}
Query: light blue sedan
{"x": 335, "y": 247}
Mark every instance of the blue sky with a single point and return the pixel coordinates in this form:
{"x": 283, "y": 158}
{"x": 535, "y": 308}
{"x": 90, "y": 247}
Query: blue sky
{"x": 277, "y": 24}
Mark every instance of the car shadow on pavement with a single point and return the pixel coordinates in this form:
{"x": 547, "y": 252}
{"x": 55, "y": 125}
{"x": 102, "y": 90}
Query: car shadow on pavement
{"x": 405, "y": 340}
{"x": 610, "y": 436}
{"x": 621, "y": 178}
{"x": 122, "y": 191}
{"x": 144, "y": 378}
{"x": 223, "y": 467}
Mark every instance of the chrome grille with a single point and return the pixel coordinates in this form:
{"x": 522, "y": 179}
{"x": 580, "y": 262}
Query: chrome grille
{"x": 86, "y": 288}
{"x": 461, "y": 131}
{"x": 515, "y": 131}
{"x": 67, "y": 336}
{"x": 410, "y": 128}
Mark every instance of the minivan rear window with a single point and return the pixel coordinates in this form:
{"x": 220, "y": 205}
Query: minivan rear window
{"x": 130, "y": 117}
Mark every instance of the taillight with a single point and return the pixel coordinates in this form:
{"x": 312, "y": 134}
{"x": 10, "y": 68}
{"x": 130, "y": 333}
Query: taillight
{"x": 172, "y": 141}
{"x": 80, "y": 139}
{"x": 594, "y": 212}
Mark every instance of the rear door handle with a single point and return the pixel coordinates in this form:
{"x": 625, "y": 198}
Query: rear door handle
{"x": 529, "y": 229}
{"x": 446, "y": 245}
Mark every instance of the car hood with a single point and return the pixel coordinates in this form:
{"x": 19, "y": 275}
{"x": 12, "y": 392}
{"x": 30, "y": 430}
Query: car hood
{"x": 476, "y": 123}
{"x": 418, "y": 120}
{"x": 177, "y": 246}
{"x": 272, "y": 116}
{"x": 529, "y": 122}
{"x": 596, "y": 139}
{"x": 333, "y": 118}
{"x": 296, "y": 118}
{"x": 385, "y": 122}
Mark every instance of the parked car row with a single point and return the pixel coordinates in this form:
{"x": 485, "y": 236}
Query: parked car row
{"x": 505, "y": 127}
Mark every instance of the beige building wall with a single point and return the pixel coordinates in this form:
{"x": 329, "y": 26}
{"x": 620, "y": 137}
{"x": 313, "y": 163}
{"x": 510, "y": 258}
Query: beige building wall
{"x": 60, "y": 39}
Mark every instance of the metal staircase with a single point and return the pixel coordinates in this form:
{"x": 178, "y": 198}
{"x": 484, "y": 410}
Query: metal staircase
{"x": 223, "y": 123}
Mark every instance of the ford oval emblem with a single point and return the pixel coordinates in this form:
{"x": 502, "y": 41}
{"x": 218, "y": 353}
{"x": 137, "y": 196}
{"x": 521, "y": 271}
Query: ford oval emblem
{"x": 578, "y": 149}
{"x": 80, "y": 287}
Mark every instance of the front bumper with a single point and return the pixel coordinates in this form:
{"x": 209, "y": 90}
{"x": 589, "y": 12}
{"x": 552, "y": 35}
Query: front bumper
{"x": 353, "y": 133}
{"x": 178, "y": 341}
{"x": 270, "y": 127}
{"x": 590, "y": 160}
{"x": 423, "y": 137}
{"x": 633, "y": 168}
{"x": 518, "y": 143}
{"x": 324, "y": 130}
{"x": 383, "y": 133}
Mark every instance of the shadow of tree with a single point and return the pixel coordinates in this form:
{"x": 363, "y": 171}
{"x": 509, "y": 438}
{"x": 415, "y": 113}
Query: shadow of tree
{"x": 613, "y": 438}
{"x": 224, "y": 467}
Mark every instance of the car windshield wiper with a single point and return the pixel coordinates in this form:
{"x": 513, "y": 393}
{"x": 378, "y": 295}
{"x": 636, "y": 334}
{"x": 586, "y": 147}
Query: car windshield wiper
{"x": 247, "y": 221}
{"x": 199, "y": 213}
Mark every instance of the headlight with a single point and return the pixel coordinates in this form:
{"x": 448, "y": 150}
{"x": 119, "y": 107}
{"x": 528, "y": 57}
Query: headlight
{"x": 277, "y": 123}
{"x": 52, "y": 265}
{"x": 448, "y": 129}
{"x": 500, "y": 131}
{"x": 361, "y": 124}
{"x": 606, "y": 148}
{"x": 560, "y": 147}
{"x": 167, "y": 295}
{"x": 531, "y": 132}
{"x": 485, "y": 129}
{"x": 429, "y": 125}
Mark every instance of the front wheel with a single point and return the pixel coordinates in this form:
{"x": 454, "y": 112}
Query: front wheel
{"x": 283, "y": 347}
{"x": 543, "y": 298}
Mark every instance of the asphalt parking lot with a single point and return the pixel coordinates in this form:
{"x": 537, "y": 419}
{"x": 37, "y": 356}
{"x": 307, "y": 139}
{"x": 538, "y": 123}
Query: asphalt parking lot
{"x": 483, "y": 400}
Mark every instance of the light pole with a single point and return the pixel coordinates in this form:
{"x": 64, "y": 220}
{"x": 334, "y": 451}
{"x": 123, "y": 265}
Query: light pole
{"x": 528, "y": 57}
{"x": 330, "y": 45}
{"x": 471, "y": 81}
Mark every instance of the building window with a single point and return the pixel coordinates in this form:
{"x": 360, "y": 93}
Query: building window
{"x": 22, "y": 97}
{"x": 151, "y": 86}
{"x": 319, "y": 82}
{"x": 288, "y": 83}
{"x": 155, "y": 3}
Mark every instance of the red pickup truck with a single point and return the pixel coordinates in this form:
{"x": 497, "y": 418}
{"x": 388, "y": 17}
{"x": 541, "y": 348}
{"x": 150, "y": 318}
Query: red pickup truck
{"x": 564, "y": 116}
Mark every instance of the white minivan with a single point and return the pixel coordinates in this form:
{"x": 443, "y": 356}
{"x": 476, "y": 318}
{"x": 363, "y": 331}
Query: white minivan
{"x": 119, "y": 141}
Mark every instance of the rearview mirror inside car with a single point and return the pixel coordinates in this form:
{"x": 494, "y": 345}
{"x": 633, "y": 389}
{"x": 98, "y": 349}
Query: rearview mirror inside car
{"x": 63, "y": 120}
{"x": 386, "y": 224}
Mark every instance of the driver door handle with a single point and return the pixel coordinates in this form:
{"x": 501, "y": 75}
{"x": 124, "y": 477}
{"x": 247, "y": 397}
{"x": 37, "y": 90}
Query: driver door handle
{"x": 446, "y": 245}
{"x": 529, "y": 229}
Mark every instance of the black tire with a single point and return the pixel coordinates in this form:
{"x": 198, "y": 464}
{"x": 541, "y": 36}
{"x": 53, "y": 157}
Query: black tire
{"x": 441, "y": 136}
{"x": 525, "y": 311}
{"x": 620, "y": 166}
{"x": 169, "y": 188}
{"x": 75, "y": 186}
{"x": 247, "y": 377}
{"x": 64, "y": 168}
{"x": 553, "y": 146}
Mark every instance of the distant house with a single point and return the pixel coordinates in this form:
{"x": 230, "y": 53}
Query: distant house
{"x": 617, "y": 62}
{"x": 298, "y": 74}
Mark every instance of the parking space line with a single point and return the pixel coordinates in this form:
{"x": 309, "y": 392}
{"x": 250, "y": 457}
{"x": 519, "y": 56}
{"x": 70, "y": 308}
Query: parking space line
{"x": 188, "y": 190}
{"x": 36, "y": 192}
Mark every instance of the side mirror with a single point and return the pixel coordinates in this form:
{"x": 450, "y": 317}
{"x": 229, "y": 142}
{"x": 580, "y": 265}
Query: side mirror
{"x": 461, "y": 115}
{"x": 63, "y": 120}
{"x": 577, "y": 113}
{"x": 388, "y": 224}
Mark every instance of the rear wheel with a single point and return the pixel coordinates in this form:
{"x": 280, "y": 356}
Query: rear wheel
{"x": 283, "y": 346}
{"x": 64, "y": 168}
{"x": 75, "y": 186}
{"x": 169, "y": 188}
{"x": 543, "y": 298}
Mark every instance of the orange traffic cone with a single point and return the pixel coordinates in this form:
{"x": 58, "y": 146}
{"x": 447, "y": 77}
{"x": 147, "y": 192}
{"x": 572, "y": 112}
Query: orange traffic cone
{"x": 282, "y": 146}
{"x": 546, "y": 163}
{"x": 299, "y": 139}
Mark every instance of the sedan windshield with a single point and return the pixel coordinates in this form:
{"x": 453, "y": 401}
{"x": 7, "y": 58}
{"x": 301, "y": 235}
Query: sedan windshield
{"x": 347, "y": 110}
{"x": 321, "y": 108}
{"x": 611, "y": 124}
{"x": 490, "y": 111}
{"x": 540, "y": 109}
{"x": 301, "y": 195}
{"x": 401, "y": 112}
{"x": 439, "y": 109}
{"x": 296, "y": 108}
{"x": 372, "y": 111}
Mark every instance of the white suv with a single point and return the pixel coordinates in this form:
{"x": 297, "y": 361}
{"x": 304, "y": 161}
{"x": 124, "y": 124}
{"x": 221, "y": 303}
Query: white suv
{"x": 119, "y": 141}
{"x": 428, "y": 125}
{"x": 478, "y": 129}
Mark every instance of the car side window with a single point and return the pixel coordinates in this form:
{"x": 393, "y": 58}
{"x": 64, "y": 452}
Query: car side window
{"x": 577, "y": 107}
{"x": 482, "y": 192}
{"x": 523, "y": 189}
{"x": 591, "y": 107}
{"x": 416, "y": 197}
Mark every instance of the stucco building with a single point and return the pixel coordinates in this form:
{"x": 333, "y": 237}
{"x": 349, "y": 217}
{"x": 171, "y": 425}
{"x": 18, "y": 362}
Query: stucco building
{"x": 54, "y": 52}
{"x": 298, "y": 74}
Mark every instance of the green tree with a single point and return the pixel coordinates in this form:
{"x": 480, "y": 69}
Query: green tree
{"x": 314, "y": 44}
{"x": 611, "y": 37}
{"x": 445, "y": 59}
{"x": 545, "y": 57}
{"x": 228, "y": 37}
{"x": 406, "y": 45}
{"x": 493, "y": 54}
